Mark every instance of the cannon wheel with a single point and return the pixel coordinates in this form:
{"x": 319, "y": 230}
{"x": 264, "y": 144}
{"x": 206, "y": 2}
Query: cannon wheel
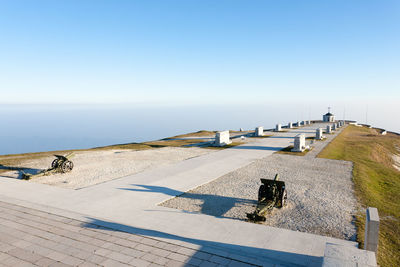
{"x": 283, "y": 200}
{"x": 54, "y": 164}
{"x": 261, "y": 191}
{"x": 67, "y": 166}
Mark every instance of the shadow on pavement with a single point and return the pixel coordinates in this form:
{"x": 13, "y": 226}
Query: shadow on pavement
{"x": 214, "y": 205}
{"x": 240, "y": 254}
{"x": 284, "y": 137}
{"x": 258, "y": 148}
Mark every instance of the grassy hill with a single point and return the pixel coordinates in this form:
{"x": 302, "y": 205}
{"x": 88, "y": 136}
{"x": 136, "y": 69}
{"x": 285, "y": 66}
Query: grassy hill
{"x": 376, "y": 183}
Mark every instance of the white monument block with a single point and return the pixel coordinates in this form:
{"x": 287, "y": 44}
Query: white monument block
{"x": 259, "y": 131}
{"x": 318, "y": 134}
{"x": 299, "y": 143}
{"x": 290, "y": 125}
{"x": 222, "y": 138}
{"x": 371, "y": 229}
{"x": 298, "y": 123}
{"x": 328, "y": 129}
{"x": 278, "y": 128}
{"x": 334, "y": 127}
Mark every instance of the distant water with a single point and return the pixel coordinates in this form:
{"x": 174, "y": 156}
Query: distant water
{"x": 35, "y": 128}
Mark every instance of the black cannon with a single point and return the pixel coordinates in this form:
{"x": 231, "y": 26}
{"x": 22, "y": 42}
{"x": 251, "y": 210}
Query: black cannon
{"x": 272, "y": 193}
{"x": 61, "y": 164}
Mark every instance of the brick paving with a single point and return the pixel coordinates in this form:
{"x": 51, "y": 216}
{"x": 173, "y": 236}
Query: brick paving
{"x": 31, "y": 237}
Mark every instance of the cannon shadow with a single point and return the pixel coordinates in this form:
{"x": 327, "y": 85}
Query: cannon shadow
{"x": 213, "y": 205}
{"x": 20, "y": 170}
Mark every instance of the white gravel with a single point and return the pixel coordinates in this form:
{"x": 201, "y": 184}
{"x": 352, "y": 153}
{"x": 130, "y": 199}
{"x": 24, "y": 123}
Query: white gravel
{"x": 320, "y": 194}
{"x": 93, "y": 167}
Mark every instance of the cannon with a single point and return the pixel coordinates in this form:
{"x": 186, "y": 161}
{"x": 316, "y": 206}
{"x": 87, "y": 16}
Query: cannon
{"x": 61, "y": 164}
{"x": 272, "y": 193}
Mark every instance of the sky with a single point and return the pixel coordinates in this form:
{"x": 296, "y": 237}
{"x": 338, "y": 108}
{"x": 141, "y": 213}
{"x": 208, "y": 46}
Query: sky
{"x": 192, "y": 52}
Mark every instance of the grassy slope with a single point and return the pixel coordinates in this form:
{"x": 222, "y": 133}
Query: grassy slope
{"x": 376, "y": 182}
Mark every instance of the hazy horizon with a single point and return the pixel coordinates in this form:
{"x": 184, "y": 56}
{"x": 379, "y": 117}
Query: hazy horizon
{"x": 37, "y": 128}
{"x": 253, "y": 63}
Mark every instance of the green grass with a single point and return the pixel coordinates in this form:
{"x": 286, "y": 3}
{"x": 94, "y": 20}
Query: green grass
{"x": 233, "y": 144}
{"x": 288, "y": 151}
{"x": 376, "y": 183}
{"x": 202, "y": 133}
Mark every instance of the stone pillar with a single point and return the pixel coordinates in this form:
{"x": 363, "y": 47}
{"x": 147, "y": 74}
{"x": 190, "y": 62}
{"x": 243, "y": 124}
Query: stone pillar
{"x": 278, "y": 128}
{"x": 290, "y": 125}
{"x": 222, "y": 138}
{"x": 328, "y": 129}
{"x": 259, "y": 131}
{"x": 334, "y": 127}
{"x": 299, "y": 143}
{"x": 371, "y": 229}
{"x": 309, "y": 122}
{"x": 298, "y": 124}
{"x": 318, "y": 134}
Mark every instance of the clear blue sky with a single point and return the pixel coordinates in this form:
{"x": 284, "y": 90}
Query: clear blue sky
{"x": 199, "y": 51}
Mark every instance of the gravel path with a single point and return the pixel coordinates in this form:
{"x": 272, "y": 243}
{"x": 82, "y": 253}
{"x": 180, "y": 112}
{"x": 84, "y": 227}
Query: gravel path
{"x": 320, "y": 194}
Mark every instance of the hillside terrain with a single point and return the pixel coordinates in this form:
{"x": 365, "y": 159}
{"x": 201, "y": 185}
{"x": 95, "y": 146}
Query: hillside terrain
{"x": 377, "y": 183}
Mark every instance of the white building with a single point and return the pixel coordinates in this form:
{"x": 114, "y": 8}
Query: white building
{"x": 328, "y": 117}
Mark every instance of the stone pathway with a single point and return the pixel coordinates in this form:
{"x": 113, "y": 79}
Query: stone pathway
{"x": 31, "y": 237}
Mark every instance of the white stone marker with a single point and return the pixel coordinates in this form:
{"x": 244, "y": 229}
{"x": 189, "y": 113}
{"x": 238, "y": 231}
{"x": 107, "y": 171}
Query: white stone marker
{"x": 371, "y": 229}
{"x": 328, "y": 129}
{"x": 290, "y": 125}
{"x": 259, "y": 131}
{"x": 298, "y": 124}
{"x": 222, "y": 138}
{"x": 318, "y": 134}
{"x": 278, "y": 128}
{"x": 299, "y": 143}
{"x": 334, "y": 127}
{"x": 309, "y": 122}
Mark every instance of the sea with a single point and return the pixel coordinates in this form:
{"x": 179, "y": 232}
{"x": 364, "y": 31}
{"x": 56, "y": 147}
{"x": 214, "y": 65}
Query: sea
{"x": 26, "y": 128}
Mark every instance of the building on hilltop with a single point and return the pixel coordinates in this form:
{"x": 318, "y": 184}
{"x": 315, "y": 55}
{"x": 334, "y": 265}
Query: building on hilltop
{"x": 328, "y": 117}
